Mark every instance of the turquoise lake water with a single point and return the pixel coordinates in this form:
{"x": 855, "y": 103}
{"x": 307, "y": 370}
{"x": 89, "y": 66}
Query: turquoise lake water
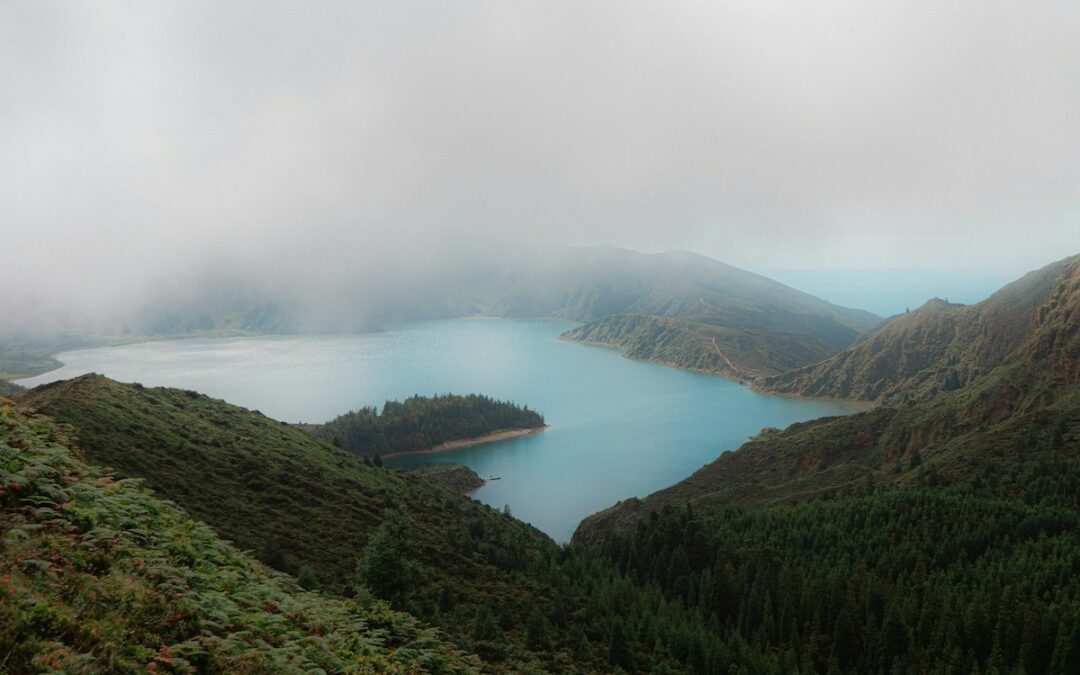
{"x": 618, "y": 428}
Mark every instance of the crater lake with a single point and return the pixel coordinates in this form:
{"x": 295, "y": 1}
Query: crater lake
{"x": 617, "y": 428}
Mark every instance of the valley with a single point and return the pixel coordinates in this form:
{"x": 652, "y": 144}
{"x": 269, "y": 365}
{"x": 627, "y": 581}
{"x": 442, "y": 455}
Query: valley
{"x": 532, "y": 338}
{"x": 617, "y": 427}
{"x": 839, "y": 543}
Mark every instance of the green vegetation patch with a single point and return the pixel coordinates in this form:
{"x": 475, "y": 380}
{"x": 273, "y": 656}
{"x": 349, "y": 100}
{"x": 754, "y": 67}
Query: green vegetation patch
{"x": 460, "y": 479}
{"x": 420, "y": 423}
{"x": 99, "y": 575}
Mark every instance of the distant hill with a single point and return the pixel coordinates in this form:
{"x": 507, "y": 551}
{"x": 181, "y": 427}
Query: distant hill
{"x": 420, "y": 423}
{"x": 714, "y": 317}
{"x": 593, "y": 282}
{"x": 99, "y": 575}
{"x": 17, "y": 361}
{"x": 1031, "y": 398}
{"x": 684, "y": 310}
{"x": 9, "y": 389}
{"x": 936, "y": 348}
{"x": 691, "y": 344}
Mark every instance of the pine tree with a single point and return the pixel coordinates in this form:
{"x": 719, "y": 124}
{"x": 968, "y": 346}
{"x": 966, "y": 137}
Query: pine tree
{"x": 273, "y": 556}
{"x": 619, "y": 646}
{"x": 307, "y": 579}
{"x": 485, "y": 627}
{"x": 385, "y": 567}
{"x": 536, "y": 631}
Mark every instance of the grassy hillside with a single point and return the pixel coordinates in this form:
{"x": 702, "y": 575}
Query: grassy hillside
{"x": 692, "y": 344}
{"x": 689, "y": 311}
{"x": 421, "y": 423}
{"x": 936, "y": 348}
{"x": 454, "y": 477}
{"x": 1031, "y": 399}
{"x": 298, "y": 502}
{"x": 9, "y": 389}
{"x": 98, "y": 575}
{"x": 497, "y": 586}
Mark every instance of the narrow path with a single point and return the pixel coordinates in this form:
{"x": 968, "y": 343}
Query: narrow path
{"x": 726, "y": 360}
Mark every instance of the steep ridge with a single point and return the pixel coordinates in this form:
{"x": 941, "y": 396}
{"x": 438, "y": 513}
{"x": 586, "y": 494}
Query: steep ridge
{"x": 299, "y": 502}
{"x": 689, "y": 311}
{"x": 1031, "y": 398}
{"x": 99, "y": 575}
{"x": 737, "y": 354}
{"x": 936, "y": 348}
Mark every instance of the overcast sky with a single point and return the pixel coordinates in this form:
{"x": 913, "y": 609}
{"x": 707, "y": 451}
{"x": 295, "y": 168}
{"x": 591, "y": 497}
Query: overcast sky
{"x": 141, "y": 136}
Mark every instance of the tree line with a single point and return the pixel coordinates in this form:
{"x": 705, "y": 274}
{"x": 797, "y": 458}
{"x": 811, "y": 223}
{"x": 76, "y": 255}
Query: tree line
{"x": 421, "y": 423}
{"x": 980, "y": 576}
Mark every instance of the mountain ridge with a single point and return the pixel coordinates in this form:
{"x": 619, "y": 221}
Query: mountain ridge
{"x": 1033, "y": 392}
{"x": 935, "y": 348}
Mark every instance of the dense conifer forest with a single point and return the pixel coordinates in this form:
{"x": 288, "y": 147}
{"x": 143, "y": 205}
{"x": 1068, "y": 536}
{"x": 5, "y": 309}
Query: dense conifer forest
{"x": 421, "y": 423}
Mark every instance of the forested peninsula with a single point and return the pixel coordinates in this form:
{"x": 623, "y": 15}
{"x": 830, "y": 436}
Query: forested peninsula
{"x": 420, "y": 424}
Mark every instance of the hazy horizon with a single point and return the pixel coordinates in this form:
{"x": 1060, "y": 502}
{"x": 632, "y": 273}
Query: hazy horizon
{"x": 148, "y": 142}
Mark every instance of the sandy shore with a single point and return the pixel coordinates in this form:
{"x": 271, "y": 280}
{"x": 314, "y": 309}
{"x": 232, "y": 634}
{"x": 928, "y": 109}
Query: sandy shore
{"x": 467, "y": 442}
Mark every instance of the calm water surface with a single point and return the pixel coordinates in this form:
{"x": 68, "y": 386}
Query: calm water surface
{"x": 619, "y": 428}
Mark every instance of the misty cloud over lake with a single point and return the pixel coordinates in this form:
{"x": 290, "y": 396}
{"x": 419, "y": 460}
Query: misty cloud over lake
{"x": 146, "y": 140}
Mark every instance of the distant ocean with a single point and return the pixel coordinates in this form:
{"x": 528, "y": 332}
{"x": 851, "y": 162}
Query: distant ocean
{"x": 889, "y": 292}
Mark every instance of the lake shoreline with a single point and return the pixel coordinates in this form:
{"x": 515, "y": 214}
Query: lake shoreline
{"x": 470, "y": 442}
{"x": 623, "y": 411}
{"x": 861, "y": 406}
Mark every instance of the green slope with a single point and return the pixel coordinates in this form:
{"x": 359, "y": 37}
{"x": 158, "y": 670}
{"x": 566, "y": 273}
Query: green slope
{"x": 300, "y": 502}
{"x": 1033, "y": 395}
{"x": 692, "y": 344}
{"x": 98, "y": 575}
{"x": 937, "y": 537}
{"x": 976, "y": 576}
{"x": 454, "y": 477}
{"x": 936, "y": 348}
{"x": 690, "y": 311}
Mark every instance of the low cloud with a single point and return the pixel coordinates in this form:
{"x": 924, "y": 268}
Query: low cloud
{"x": 146, "y": 141}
